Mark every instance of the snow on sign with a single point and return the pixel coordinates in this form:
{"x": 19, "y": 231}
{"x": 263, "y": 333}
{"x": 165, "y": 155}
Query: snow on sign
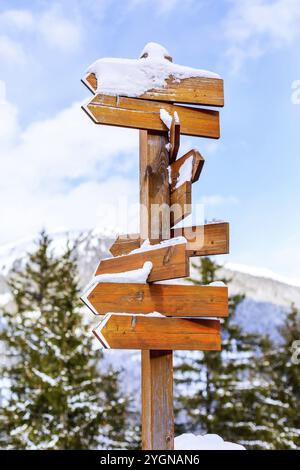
{"x": 135, "y": 92}
{"x": 169, "y": 261}
{"x": 144, "y": 304}
{"x": 155, "y": 77}
{"x": 202, "y": 240}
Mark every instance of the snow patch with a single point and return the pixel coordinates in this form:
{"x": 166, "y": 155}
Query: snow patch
{"x": 185, "y": 172}
{"x": 45, "y": 378}
{"x": 133, "y": 77}
{"x": 165, "y": 117}
{"x": 207, "y": 442}
{"x": 153, "y": 49}
{"x": 5, "y": 298}
{"x": 146, "y": 246}
{"x": 217, "y": 284}
{"x": 214, "y": 221}
{"x": 176, "y": 117}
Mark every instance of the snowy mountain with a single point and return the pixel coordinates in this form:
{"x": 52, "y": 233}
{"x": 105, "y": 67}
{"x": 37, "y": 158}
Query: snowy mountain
{"x": 263, "y": 310}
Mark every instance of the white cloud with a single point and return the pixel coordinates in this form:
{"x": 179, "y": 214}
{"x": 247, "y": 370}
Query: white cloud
{"x": 11, "y": 50}
{"x": 8, "y": 119}
{"x": 59, "y": 31}
{"x": 161, "y": 6}
{"x": 211, "y": 147}
{"x": 253, "y": 27}
{"x": 21, "y": 19}
{"x": 50, "y": 26}
{"x": 63, "y": 173}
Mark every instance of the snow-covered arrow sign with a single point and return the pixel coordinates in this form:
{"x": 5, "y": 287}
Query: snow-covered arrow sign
{"x": 169, "y": 260}
{"x": 202, "y": 240}
{"x": 155, "y": 77}
{"x": 132, "y": 93}
{"x": 186, "y": 168}
{"x": 154, "y": 332}
{"x": 176, "y": 300}
{"x": 183, "y": 172}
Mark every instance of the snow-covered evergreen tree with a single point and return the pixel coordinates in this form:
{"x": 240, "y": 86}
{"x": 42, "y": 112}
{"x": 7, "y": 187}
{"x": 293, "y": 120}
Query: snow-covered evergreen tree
{"x": 57, "y": 398}
{"x": 225, "y": 392}
{"x": 280, "y": 370}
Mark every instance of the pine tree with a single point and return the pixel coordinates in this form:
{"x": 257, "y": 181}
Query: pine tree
{"x": 281, "y": 371}
{"x": 222, "y": 392}
{"x": 57, "y": 397}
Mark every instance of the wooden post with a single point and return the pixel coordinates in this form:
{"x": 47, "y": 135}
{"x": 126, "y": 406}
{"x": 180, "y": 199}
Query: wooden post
{"x": 157, "y": 366}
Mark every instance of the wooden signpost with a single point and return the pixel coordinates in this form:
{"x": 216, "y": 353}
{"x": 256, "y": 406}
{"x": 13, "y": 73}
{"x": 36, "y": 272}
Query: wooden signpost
{"x": 161, "y": 317}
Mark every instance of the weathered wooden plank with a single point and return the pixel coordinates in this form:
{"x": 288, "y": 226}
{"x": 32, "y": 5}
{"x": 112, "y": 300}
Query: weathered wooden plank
{"x": 170, "y": 262}
{"x": 174, "y": 137}
{"x": 124, "y": 244}
{"x": 154, "y": 187}
{"x": 142, "y": 114}
{"x": 90, "y": 81}
{"x": 194, "y": 90}
{"x": 197, "y": 165}
{"x": 140, "y": 332}
{"x": 180, "y": 203}
{"x": 203, "y": 240}
{"x": 157, "y": 399}
{"x": 168, "y": 299}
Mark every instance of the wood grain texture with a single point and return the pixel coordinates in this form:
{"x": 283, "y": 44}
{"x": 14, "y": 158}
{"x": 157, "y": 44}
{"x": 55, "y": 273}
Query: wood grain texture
{"x": 142, "y": 114}
{"x": 157, "y": 400}
{"x": 194, "y": 90}
{"x": 156, "y": 365}
{"x": 203, "y": 240}
{"x": 181, "y": 203}
{"x": 168, "y": 299}
{"x": 174, "y": 138}
{"x": 168, "y": 263}
{"x": 124, "y": 244}
{"x": 197, "y": 166}
{"x": 154, "y": 187}
{"x": 138, "y": 332}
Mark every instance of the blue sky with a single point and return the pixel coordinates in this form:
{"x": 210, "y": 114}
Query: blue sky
{"x": 59, "y": 170}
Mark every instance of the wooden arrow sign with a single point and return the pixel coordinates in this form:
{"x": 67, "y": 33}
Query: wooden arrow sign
{"x": 194, "y": 90}
{"x": 192, "y": 158}
{"x": 170, "y": 262}
{"x": 170, "y": 300}
{"x": 203, "y": 240}
{"x": 143, "y": 114}
{"x": 144, "y": 332}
